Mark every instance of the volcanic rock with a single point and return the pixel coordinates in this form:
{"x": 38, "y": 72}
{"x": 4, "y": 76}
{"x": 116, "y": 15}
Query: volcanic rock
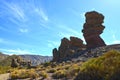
{"x": 92, "y": 29}
{"x": 67, "y": 48}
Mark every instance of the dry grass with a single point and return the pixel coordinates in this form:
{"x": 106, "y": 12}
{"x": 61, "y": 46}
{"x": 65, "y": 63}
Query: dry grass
{"x": 23, "y": 73}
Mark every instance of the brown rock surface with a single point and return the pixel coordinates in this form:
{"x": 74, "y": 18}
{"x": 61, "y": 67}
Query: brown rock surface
{"x": 76, "y": 42}
{"x": 67, "y": 48}
{"x": 55, "y": 54}
{"x": 92, "y": 29}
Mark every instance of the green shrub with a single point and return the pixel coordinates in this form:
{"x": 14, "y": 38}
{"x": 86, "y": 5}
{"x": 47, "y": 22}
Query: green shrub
{"x": 4, "y": 69}
{"x": 43, "y": 74}
{"x": 51, "y": 70}
{"x": 59, "y": 74}
{"x": 47, "y": 64}
{"x": 105, "y": 67}
{"x": 23, "y": 73}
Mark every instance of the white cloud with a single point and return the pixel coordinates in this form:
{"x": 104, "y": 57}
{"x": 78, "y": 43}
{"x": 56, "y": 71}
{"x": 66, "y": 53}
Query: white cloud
{"x": 16, "y": 51}
{"x": 82, "y": 15}
{"x": 42, "y": 14}
{"x": 69, "y": 30}
{"x": 14, "y": 43}
{"x": 63, "y": 34}
{"x": 16, "y": 11}
{"x": 53, "y": 44}
{"x": 23, "y": 30}
{"x": 115, "y": 40}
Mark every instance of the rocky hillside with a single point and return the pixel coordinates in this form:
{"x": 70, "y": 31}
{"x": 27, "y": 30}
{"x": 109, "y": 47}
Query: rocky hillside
{"x": 7, "y": 61}
{"x": 2, "y": 56}
{"x": 36, "y": 59}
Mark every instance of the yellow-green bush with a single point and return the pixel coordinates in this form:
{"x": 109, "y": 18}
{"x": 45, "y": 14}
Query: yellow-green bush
{"x": 4, "y": 69}
{"x": 51, "y": 70}
{"x": 104, "y": 67}
{"x": 43, "y": 74}
{"x": 73, "y": 71}
{"x": 23, "y": 73}
{"x": 59, "y": 74}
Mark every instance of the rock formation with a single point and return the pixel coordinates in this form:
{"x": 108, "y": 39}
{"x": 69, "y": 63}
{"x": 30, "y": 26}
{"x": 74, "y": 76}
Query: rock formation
{"x": 92, "y": 29}
{"x": 14, "y": 63}
{"x": 67, "y": 48}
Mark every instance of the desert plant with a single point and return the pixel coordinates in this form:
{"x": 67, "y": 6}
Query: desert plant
{"x": 4, "y": 69}
{"x": 43, "y": 74}
{"x": 59, "y": 74}
{"x": 23, "y": 73}
{"x": 51, "y": 70}
{"x": 105, "y": 67}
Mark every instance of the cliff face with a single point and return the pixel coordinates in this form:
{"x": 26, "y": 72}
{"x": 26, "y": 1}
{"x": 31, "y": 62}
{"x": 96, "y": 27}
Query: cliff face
{"x": 92, "y": 29}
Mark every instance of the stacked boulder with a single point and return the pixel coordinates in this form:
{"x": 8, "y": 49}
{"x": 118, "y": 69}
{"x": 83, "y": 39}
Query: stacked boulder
{"x": 67, "y": 48}
{"x": 92, "y": 29}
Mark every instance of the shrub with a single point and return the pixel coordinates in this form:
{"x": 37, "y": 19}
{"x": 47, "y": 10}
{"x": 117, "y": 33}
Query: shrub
{"x": 4, "y": 69}
{"x": 105, "y": 67}
{"x": 22, "y": 74}
{"x": 51, "y": 70}
{"x": 73, "y": 71}
{"x": 59, "y": 74}
{"x": 43, "y": 74}
{"x": 46, "y": 64}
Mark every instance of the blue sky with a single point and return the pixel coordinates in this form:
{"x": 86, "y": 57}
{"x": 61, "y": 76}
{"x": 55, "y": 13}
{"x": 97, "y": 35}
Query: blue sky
{"x": 37, "y": 26}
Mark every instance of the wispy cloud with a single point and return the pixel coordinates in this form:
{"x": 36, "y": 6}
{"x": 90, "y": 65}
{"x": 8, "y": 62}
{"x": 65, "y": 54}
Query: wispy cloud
{"x": 41, "y": 13}
{"x": 63, "y": 34}
{"x": 67, "y": 32}
{"x": 53, "y": 44}
{"x": 16, "y": 11}
{"x": 115, "y": 40}
{"x": 3, "y": 41}
{"x": 82, "y": 15}
{"x": 23, "y": 30}
{"x": 16, "y": 51}
{"x": 14, "y": 43}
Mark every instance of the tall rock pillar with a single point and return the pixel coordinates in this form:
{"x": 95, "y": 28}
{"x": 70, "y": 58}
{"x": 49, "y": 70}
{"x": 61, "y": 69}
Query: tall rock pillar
{"x": 92, "y": 29}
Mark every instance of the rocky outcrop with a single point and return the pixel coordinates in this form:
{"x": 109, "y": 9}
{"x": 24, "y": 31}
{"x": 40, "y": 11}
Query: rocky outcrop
{"x": 55, "y": 54}
{"x": 92, "y": 29}
{"x": 76, "y": 42}
{"x": 68, "y": 48}
{"x": 74, "y": 47}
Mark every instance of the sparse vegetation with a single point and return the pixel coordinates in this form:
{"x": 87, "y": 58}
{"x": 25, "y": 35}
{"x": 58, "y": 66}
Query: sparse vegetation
{"x": 59, "y": 74}
{"x": 24, "y": 73}
{"x": 4, "y": 69}
{"x": 51, "y": 70}
{"x": 43, "y": 74}
{"x": 105, "y": 67}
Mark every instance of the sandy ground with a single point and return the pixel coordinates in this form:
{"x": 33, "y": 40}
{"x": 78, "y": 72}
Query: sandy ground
{"x": 5, "y": 76}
